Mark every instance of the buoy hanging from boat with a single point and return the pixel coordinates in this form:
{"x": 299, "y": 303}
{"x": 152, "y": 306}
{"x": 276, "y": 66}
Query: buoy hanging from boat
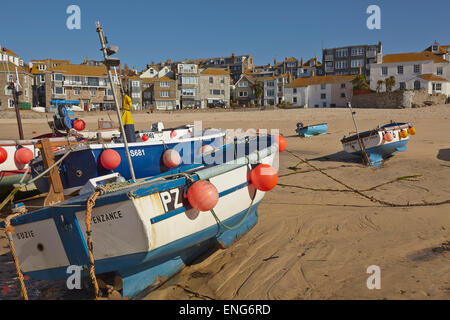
{"x": 388, "y": 137}
{"x": 281, "y": 142}
{"x": 110, "y": 159}
{"x": 79, "y": 124}
{"x": 23, "y": 155}
{"x": 403, "y": 134}
{"x": 205, "y": 148}
{"x": 203, "y": 195}
{"x": 144, "y": 137}
{"x": 3, "y": 155}
{"x": 264, "y": 177}
{"x": 171, "y": 158}
{"x": 173, "y": 134}
{"x": 412, "y": 131}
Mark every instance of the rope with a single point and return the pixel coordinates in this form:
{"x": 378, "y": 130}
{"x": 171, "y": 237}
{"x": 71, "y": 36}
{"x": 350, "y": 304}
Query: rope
{"x": 371, "y": 198}
{"x": 239, "y": 224}
{"x": 9, "y": 230}
{"x": 88, "y": 219}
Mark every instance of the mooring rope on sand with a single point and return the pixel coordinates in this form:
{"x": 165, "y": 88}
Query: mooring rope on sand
{"x": 362, "y": 194}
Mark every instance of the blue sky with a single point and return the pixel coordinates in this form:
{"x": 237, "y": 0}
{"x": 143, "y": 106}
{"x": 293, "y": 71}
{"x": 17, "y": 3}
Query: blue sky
{"x": 148, "y": 30}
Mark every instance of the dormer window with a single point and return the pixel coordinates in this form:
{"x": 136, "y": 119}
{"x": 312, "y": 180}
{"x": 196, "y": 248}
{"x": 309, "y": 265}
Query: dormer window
{"x": 42, "y": 67}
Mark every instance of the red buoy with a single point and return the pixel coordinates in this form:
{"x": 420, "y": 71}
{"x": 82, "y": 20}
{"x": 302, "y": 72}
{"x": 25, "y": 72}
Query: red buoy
{"x": 171, "y": 158}
{"x": 144, "y": 137}
{"x": 3, "y": 155}
{"x": 388, "y": 137}
{"x": 110, "y": 159}
{"x": 23, "y": 155}
{"x": 281, "y": 142}
{"x": 205, "y": 148}
{"x": 79, "y": 125}
{"x": 173, "y": 134}
{"x": 264, "y": 177}
{"x": 203, "y": 195}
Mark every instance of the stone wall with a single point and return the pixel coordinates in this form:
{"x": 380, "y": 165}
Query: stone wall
{"x": 397, "y": 100}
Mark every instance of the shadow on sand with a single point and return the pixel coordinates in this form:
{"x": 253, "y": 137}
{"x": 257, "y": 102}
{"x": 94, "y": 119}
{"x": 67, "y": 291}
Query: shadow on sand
{"x": 444, "y": 154}
{"x": 340, "y": 156}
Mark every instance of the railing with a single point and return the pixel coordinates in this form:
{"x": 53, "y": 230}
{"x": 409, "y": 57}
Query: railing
{"x": 85, "y": 83}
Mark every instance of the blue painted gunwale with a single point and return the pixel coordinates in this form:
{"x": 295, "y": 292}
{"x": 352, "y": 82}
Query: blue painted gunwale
{"x": 313, "y": 130}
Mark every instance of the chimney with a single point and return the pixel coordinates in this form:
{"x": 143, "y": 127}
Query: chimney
{"x": 274, "y": 61}
{"x": 301, "y": 62}
{"x": 360, "y": 69}
{"x": 313, "y": 74}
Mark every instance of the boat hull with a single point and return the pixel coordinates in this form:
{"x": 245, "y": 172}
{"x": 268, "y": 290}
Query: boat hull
{"x": 144, "y": 233}
{"x": 313, "y": 130}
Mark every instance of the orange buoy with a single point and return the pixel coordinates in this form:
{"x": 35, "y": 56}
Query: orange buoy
{"x": 281, "y": 142}
{"x": 171, "y": 158}
{"x": 79, "y": 125}
{"x": 173, "y": 134}
{"x": 264, "y": 177}
{"x": 403, "y": 134}
{"x": 388, "y": 137}
{"x": 3, "y": 155}
{"x": 144, "y": 137}
{"x": 110, "y": 159}
{"x": 23, "y": 155}
{"x": 205, "y": 148}
{"x": 412, "y": 131}
{"x": 203, "y": 195}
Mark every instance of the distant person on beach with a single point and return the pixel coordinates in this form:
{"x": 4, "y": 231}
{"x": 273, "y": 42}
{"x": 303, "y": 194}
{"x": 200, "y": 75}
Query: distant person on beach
{"x": 127, "y": 120}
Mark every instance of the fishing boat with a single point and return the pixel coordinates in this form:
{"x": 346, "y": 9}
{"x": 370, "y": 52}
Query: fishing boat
{"x": 147, "y": 230}
{"x": 312, "y": 130}
{"x": 380, "y": 143}
{"x": 87, "y": 161}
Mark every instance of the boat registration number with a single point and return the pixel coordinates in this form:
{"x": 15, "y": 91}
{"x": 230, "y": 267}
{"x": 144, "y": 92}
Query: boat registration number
{"x": 172, "y": 199}
{"x": 137, "y": 153}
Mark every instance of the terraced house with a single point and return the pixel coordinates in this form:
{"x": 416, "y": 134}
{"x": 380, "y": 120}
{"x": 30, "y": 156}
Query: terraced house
{"x": 160, "y": 93}
{"x": 274, "y": 89}
{"x": 243, "y": 90}
{"x": 87, "y": 86}
{"x": 11, "y": 67}
{"x": 215, "y": 88}
{"x": 428, "y": 70}
{"x": 187, "y": 76}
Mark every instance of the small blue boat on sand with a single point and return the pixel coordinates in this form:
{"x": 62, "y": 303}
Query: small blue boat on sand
{"x": 313, "y": 130}
{"x": 144, "y": 232}
{"x": 380, "y": 143}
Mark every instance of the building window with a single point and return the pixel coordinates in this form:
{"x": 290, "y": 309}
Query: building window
{"x": 400, "y": 69}
{"x": 323, "y": 86}
{"x": 8, "y": 92}
{"x": 59, "y": 90}
{"x": 164, "y": 94}
{"x": 270, "y": 83}
{"x": 342, "y": 95}
{"x": 211, "y": 80}
{"x": 135, "y": 84}
{"x": 188, "y": 92}
{"x": 417, "y": 85}
{"x": 57, "y": 77}
{"x": 93, "y": 92}
{"x": 164, "y": 84}
{"x": 10, "y": 103}
{"x": 437, "y": 86}
{"x": 342, "y": 85}
{"x": 243, "y": 94}
{"x": 342, "y": 64}
{"x": 271, "y": 93}
{"x": 341, "y": 53}
{"x": 439, "y": 71}
{"x": 384, "y": 71}
{"x": 323, "y": 96}
{"x": 294, "y": 100}
{"x": 42, "y": 78}
{"x": 188, "y": 80}
{"x": 93, "y": 81}
{"x": 417, "y": 68}
{"x": 77, "y": 79}
{"x": 295, "y": 90}
{"x": 324, "y": 104}
{"x": 357, "y": 51}
{"x": 76, "y": 91}
{"x": 222, "y": 80}
{"x": 357, "y": 63}
{"x": 42, "y": 67}
{"x": 109, "y": 92}
{"x": 402, "y": 85}
{"x": 243, "y": 84}
{"x": 136, "y": 95}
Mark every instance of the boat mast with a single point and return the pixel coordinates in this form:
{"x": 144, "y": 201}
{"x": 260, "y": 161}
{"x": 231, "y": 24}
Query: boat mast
{"x": 361, "y": 144}
{"x": 108, "y": 63}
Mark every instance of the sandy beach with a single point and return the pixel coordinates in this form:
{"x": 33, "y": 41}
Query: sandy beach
{"x": 316, "y": 238}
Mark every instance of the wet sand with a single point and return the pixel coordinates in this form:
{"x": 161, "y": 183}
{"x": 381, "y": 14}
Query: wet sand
{"x": 315, "y": 239}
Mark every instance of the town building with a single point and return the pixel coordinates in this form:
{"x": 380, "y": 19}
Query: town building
{"x": 82, "y": 85}
{"x": 412, "y": 71}
{"x": 134, "y": 85}
{"x": 273, "y": 89}
{"x": 154, "y": 71}
{"x": 243, "y": 90}
{"x": 160, "y": 93}
{"x": 214, "y": 88}
{"x": 320, "y": 91}
{"x": 188, "y": 94}
{"x": 347, "y": 60}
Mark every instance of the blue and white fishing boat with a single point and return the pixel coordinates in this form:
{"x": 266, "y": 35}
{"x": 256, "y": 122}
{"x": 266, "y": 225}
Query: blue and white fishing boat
{"x": 380, "y": 143}
{"x": 313, "y": 130}
{"x": 85, "y": 161}
{"x": 146, "y": 231}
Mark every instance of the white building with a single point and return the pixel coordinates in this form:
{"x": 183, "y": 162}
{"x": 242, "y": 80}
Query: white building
{"x": 320, "y": 91}
{"x": 414, "y": 71}
{"x": 153, "y": 71}
{"x": 7, "y": 55}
